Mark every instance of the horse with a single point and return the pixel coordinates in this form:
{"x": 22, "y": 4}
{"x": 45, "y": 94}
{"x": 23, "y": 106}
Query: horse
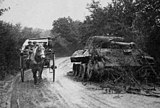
{"x": 37, "y": 59}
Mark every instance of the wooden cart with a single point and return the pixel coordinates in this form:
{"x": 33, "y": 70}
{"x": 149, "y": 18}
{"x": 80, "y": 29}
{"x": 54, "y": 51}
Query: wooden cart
{"x": 49, "y": 60}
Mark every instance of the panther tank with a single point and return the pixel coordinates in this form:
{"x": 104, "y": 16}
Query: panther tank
{"x": 110, "y": 57}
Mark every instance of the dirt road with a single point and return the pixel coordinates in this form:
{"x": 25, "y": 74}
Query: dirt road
{"x": 66, "y": 93}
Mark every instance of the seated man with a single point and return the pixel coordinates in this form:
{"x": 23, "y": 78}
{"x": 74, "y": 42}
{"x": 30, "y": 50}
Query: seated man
{"x": 49, "y": 40}
{"x": 50, "y": 43}
{"x": 29, "y": 46}
{"x": 45, "y": 45}
{"x": 35, "y": 44}
{"x": 28, "y": 51}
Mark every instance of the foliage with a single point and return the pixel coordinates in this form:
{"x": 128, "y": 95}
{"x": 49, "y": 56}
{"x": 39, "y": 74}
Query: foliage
{"x": 116, "y": 18}
{"x": 147, "y": 22}
{"x": 11, "y": 40}
{"x": 68, "y": 31}
{"x": 135, "y": 20}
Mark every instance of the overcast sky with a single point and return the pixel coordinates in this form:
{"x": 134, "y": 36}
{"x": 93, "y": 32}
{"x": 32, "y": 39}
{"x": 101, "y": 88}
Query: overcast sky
{"x": 41, "y": 13}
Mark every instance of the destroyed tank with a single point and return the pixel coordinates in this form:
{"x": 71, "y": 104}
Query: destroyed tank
{"x": 112, "y": 58}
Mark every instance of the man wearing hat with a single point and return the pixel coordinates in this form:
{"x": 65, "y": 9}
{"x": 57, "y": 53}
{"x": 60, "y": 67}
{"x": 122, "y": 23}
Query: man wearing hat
{"x": 35, "y": 44}
{"x": 49, "y": 42}
{"x": 28, "y": 49}
{"x": 29, "y": 46}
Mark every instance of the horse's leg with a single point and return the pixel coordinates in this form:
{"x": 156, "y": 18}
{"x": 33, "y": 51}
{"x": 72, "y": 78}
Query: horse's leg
{"x": 34, "y": 71}
{"x": 40, "y": 72}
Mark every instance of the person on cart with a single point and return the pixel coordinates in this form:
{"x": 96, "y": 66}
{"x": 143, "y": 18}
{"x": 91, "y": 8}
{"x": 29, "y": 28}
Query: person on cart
{"x": 28, "y": 50}
{"x": 48, "y": 49}
{"x": 45, "y": 45}
{"x": 29, "y": 46}
{"x": 49, "y": 43}
{"x": 35, "y": 44}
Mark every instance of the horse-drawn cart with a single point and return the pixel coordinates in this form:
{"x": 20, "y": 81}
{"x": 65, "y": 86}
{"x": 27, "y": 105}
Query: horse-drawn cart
{"x": 45, "y": 60}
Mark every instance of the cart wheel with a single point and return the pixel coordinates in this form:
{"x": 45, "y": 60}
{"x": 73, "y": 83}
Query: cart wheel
{"x": 22, "y": 75}
{"x": 22, "y": 67}
{"x": 53, "y": 58}
{"x": 53, "y": 68}
{"x": 53, "y": 75}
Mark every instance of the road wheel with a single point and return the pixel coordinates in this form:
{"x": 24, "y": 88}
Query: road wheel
{"x": 80, "y": 70}
{"x": 74, "y": 69}
{"x": 77, "y": 69}
{"x": 83, "y": 71}
{"x": 89, "y": 71}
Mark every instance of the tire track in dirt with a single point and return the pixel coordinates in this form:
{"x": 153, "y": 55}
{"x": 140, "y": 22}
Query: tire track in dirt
{"x": 27, "y": 95}
{"x": 67, "y": 93}
{"x": 74, "y": 92}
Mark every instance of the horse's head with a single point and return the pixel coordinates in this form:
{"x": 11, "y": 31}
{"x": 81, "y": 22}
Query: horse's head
{"x": 40, "y": 51}
{"x": 38, "y": 54}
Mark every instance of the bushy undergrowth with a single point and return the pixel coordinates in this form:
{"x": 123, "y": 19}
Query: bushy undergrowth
{"x": 11, "y": 40}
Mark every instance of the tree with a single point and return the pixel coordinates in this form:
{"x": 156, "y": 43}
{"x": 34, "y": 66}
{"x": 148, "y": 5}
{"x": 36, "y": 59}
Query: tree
{"x": 147, "y": 22}
{"x": 67, "y": 30}
{"x": 116, "y": 18}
